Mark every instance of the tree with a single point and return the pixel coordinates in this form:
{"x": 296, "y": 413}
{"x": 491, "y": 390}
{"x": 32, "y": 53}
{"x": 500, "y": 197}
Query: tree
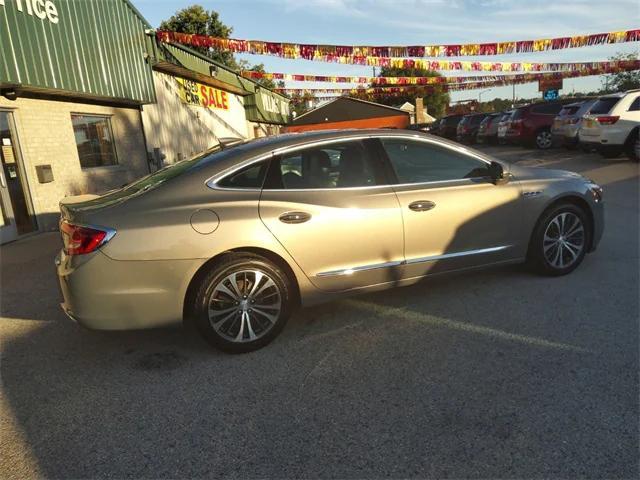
{"x": 621, "y": 81}
{"x": 436, "y": 98}
{"x": 259, "y": 67}
{"x": 300, "y": 103}
{"x": 195, "y": 19}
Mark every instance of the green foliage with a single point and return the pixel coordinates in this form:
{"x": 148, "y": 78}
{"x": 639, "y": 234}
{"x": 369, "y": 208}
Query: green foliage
{"x": 621, "y": 81}
{"x": 195, "y": 19}
{"x": 259, "y": 67}
{"x": 299, "y": 103}
{"x": 436, "y": 98}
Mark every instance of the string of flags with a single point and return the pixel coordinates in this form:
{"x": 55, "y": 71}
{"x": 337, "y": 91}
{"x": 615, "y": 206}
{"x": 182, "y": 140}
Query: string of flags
{"x": 364, "y": 55}
{"x": 594, "y": 68}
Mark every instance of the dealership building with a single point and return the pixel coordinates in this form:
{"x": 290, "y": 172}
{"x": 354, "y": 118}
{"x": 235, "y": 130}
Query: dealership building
{"x": 89, "y": 101}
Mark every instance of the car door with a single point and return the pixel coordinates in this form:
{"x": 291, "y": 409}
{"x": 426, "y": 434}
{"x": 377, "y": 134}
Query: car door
{"x": 454, "y": 215}
{"x": 331, "y": 207}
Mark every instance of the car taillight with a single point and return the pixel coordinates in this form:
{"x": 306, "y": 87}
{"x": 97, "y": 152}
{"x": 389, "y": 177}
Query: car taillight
{"x": 79, "y": 240}
{"x": 607, "y": 119}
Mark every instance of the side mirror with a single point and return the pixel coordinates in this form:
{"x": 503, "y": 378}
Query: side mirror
{"x": 496, "y": 172}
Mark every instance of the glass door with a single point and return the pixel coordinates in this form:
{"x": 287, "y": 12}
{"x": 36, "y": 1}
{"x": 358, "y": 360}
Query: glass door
{"x": 16, "y": 215}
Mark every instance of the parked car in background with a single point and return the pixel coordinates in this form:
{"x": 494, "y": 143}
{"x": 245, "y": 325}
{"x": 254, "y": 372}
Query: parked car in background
{"x": 503, "y": 126}
{"x": 235, "y": 239}
{"x": 567, "y": 123}
{"x": 468, "y": 127}
{"x": 448, "y": 127}
{"x": 612, "y": 125}
{"x": 531, "y": 124}
{"x": 488, "y": 129}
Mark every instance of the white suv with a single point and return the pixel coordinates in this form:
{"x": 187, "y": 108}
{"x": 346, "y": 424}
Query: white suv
{"x": 612, "y": 125}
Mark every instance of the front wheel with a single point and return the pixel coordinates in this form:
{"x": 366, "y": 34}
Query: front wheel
{"x": 242, "y": 303}
{"x": 560, "y": 241}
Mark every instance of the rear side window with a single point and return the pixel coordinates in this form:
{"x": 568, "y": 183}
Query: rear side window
{"x": 336, "y": 165}
{"x": 635, "y": 106}
{"x": 420, "y": 162}
{"x": 248, "y": 177}
{"x": 547, "y": 108}
{"x": 604, "y": 105}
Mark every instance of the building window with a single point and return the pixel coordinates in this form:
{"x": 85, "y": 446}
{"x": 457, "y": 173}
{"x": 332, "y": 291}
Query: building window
{"x": 94, "y": 140}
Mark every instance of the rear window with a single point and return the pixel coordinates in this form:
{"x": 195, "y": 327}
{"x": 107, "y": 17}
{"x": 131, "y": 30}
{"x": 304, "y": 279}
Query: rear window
{"x": 566, "y": 111}
{"x": 517, "y": 114}
{"x": 476, "y": 119}
{"x": 604, "y": 105}
{"x": 451, "y": 120}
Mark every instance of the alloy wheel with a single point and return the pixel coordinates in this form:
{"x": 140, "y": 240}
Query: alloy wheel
{"x": 564, "y": 240}
{"x": 544, "y": 140}
{"x": 244, "y": 306}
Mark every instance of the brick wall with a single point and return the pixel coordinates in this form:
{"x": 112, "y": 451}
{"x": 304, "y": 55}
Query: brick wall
{"x": 45, "y": 136}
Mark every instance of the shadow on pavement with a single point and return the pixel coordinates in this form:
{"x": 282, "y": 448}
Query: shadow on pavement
{"x": 489, "y": 374}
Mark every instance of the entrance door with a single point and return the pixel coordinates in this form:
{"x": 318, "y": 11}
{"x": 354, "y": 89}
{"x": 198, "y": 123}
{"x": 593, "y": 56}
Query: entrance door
{"x": 16, "y": 218}
{"x": 330, "y": 206}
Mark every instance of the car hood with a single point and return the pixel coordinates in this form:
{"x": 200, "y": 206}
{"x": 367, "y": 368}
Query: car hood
{"x": 537, "y": 173}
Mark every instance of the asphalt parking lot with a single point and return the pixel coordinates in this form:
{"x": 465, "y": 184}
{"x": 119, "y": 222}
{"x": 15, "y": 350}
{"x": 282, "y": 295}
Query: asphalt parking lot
{"x": 492, "y": 374}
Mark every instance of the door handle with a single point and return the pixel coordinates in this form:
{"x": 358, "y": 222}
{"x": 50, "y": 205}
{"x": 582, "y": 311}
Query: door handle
{"x": 421, "y": 205}
{"x": 294, "y": 217}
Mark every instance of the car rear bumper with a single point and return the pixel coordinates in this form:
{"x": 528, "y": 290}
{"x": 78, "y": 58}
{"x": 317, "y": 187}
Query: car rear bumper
{"x": 105, "y": 294}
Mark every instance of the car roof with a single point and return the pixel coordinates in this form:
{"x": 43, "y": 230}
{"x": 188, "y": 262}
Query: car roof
{"x": 265, "y": 145}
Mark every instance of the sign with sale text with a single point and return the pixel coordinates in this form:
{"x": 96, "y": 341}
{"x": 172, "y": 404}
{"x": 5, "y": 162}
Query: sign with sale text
{"x": 194, "y": 93}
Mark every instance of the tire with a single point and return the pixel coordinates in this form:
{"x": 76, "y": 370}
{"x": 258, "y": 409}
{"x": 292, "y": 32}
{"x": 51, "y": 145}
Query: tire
{"x": 633, "y": 147}
{"x": 543, "y": 140}
{"x": 228, "y": 317}
{"x": 558, "y": 244}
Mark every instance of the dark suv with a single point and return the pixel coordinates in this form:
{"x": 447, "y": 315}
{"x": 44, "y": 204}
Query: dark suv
{"x": 468, "y": 127}
{"x": 448, "y": 126}
{"x": 531, "y": 124}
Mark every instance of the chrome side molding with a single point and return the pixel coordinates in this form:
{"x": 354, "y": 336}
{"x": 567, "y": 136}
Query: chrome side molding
{"x": 445, "y": 256}
{"x": 351, "y": 271}
{"x": 433, "y": 258}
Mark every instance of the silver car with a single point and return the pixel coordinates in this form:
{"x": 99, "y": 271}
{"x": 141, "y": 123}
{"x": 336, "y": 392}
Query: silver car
{"x": 236, "y": 238}
{"x": 567, "y": 123}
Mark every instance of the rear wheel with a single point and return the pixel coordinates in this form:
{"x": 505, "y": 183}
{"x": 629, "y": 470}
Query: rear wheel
{"x": 242, "y": 303}
{"x": 543, "y": 139}
{"x": 560, "y": 240}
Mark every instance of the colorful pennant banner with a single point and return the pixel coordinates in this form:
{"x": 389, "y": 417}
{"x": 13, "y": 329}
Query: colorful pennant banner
{"x": 331, "y": 52}
{"x": 601, "y": 68}
{"x": 388, "y": 89}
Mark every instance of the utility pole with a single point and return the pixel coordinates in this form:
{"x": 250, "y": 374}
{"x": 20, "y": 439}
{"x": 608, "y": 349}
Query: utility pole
{"x": 513, "y": 101}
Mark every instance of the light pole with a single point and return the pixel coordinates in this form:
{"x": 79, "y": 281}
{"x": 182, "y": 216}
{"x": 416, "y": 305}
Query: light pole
{"x": 480, "y": 94}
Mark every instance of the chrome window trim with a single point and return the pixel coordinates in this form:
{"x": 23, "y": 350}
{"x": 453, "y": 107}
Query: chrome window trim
{"x": 212, "y": 182}
{"x": 411, "y": 261}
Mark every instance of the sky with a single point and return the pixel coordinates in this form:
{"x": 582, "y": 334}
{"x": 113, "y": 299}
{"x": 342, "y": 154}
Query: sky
{"x": 419, "y": 22}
